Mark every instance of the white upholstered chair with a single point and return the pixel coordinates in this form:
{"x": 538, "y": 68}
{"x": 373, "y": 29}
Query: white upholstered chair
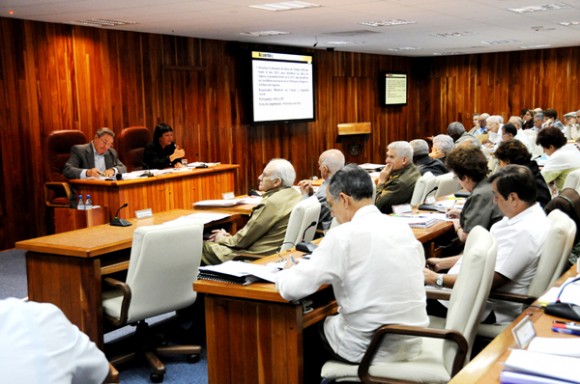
{"x": 573, "y": 180}
{"x": 537, "y": 150}
{"x": 423, "y": 186}
{"x": 444, "y": 351}
{"x": 162, "y": 268}
{"x": 446, "y": 184}
{"x": 555, "y": 252}
{"x": 302, "y": 223}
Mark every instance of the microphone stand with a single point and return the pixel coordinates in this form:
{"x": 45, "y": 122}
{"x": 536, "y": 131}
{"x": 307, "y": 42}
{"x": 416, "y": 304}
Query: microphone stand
{"x": 117, "y": 222}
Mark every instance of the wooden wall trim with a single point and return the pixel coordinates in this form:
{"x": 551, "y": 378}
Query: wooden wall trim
{"x": 56, "y": 76}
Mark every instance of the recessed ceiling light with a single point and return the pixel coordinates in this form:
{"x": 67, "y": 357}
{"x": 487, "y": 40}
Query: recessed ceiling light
{"x": 448, "y": 53}
{"x": 452, "y": 34}
{"x": 339, "y": 42}
{"x": 264, "y": 33}
{"x": 538, "y": 46}
{"x": 388, "y": 23}
{"x": 102, "y": 22}
{"x": 539, "y": 8}
{"x": 285, "y": 6}
{"x": 403, "y": 49}
{"x": 568, "y": 23}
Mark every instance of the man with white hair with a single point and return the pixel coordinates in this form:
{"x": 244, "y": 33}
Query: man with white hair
{"x": 457, "y": 131}
{"x": 422, "y": 160}
{"x": 521, "y": 135}
{"x": 264, "y": 233}
{"x": 442, "y": 145}
{"x": 397, "y": 180}
{"x": 329, "y": 163}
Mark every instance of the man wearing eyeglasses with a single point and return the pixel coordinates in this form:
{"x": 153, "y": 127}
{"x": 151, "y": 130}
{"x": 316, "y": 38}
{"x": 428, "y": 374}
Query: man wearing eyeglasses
{"x": 94, "y": 159}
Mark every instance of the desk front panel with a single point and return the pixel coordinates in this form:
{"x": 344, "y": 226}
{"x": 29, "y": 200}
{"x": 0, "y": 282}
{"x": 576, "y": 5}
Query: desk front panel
{"x": 160, "y": 193}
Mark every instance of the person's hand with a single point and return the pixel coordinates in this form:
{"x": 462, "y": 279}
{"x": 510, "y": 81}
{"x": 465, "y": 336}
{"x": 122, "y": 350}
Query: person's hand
{"x": 437, "y": 264}
{"x": 218, "y": 234}
{"x": 177, "y": 165}
{"x": 385, "y": 173}
{"x": 109, "y": 172}
{"x": 430, "y": 276}
{"x": 179, "y": 152}
{"x": 93, "y": 172}
{"x": 306, "y": 187}
{"x": 453, "y": 213}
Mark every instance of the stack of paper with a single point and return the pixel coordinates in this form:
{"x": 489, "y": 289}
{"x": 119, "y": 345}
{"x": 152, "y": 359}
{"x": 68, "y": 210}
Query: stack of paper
{"x": 419, "y": 221}
{"x": 534, "y": 367}
{"x": 238, "y": 272}
{"x": 252, "y": 200}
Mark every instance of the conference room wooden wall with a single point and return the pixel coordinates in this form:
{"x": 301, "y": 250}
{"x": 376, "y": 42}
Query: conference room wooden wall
{"x": 56, "y": 76}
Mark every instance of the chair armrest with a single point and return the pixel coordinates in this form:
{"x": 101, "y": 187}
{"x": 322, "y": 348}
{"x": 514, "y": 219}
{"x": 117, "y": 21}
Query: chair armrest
{"x": 126, "y": 291}
{"x": 447, "y": 334}
{"x": 514, "y": 297}
{"x": 438, "y": 293}
{"x": 54, "y": 189}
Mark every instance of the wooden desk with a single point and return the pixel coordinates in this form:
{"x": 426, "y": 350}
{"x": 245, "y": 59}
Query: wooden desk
{"x": 255, "y": 336}
{"x": 487, "y": 365}
{"x": 176, "y": 190}
{"x": 66, "y": 269}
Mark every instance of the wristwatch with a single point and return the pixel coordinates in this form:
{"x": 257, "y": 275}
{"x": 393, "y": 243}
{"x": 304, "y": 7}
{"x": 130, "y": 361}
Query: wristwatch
{"x": 439, "y": 281}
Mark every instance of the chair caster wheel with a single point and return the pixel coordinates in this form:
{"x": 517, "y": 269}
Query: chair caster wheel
{"x": 156, "y": 378}
{"x": 193, "y": 358}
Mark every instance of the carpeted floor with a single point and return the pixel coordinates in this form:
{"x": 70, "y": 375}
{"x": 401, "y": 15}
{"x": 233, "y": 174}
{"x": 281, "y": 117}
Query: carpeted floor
{"x": 179, "y": 371}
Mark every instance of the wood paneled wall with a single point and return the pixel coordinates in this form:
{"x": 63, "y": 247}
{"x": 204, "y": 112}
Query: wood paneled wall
{"x": 55, "y": 76}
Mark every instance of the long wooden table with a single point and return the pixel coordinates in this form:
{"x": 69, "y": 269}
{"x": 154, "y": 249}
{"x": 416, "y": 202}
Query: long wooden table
{"x": 66, "y": 268}
{"x": 486, "y": 367}
{"x": 174, "y": 190}
{"x": 255, "y": 336}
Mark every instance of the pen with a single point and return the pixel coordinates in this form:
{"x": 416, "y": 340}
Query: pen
{"x": 566, "y": 331}
{"x": 567, "y": 326}
{"x": 565, "y": 322}
{"x": 292, "y": 259}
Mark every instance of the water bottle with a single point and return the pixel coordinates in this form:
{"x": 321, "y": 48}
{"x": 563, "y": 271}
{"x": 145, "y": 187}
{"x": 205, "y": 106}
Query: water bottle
{"x": 88, "y": 203}
{"x": 80, "y": 203}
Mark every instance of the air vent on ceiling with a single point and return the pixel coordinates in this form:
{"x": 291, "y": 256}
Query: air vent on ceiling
{"x": 102, "y": 22}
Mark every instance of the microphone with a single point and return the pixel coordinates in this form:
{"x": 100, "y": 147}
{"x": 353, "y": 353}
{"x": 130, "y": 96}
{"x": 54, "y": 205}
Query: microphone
{"x": 147, "y": 173}
{"x": 306, "y": 247}
{"x": 307, "y": 228}
{"x": 431, "y": 191}
{"x": 116, "y": 222}
{"x": 567, "y": 310}
{"x": 429, "y": 207}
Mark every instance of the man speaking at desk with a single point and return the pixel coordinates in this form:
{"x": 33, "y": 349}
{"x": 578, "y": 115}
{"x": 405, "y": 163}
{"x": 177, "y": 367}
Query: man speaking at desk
{"x": 94, "y": 159}
{"x": 264, "y": 233}
{"x": 374, "y": 266}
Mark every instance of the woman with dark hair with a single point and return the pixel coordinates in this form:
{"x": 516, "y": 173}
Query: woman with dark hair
{"x": 469, "y": 165}
{"x": 516, "y": 152}
{"x": 528, "y": 118}
{"x": 162, "y": 152}
{"x": 562, "y": 158}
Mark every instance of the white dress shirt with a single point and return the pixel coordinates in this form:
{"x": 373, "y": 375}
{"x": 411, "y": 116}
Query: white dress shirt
{"x": 376, "y": 271}
{"x": 38, "y": 345}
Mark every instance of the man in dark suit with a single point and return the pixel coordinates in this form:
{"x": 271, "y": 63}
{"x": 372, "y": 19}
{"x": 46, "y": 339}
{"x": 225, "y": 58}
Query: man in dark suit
{"x": 94, "y": 159}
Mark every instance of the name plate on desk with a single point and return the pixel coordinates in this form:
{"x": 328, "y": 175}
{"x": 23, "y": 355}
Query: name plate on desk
{"x": 144, "y": 213}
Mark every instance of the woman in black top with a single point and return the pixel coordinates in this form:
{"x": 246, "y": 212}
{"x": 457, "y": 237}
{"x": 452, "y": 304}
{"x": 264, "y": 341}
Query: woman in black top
{"x": 162, "y": 152}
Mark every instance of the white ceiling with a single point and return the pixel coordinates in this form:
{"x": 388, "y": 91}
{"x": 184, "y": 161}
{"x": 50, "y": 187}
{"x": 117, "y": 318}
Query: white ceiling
{"x": 335, "y": 24}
